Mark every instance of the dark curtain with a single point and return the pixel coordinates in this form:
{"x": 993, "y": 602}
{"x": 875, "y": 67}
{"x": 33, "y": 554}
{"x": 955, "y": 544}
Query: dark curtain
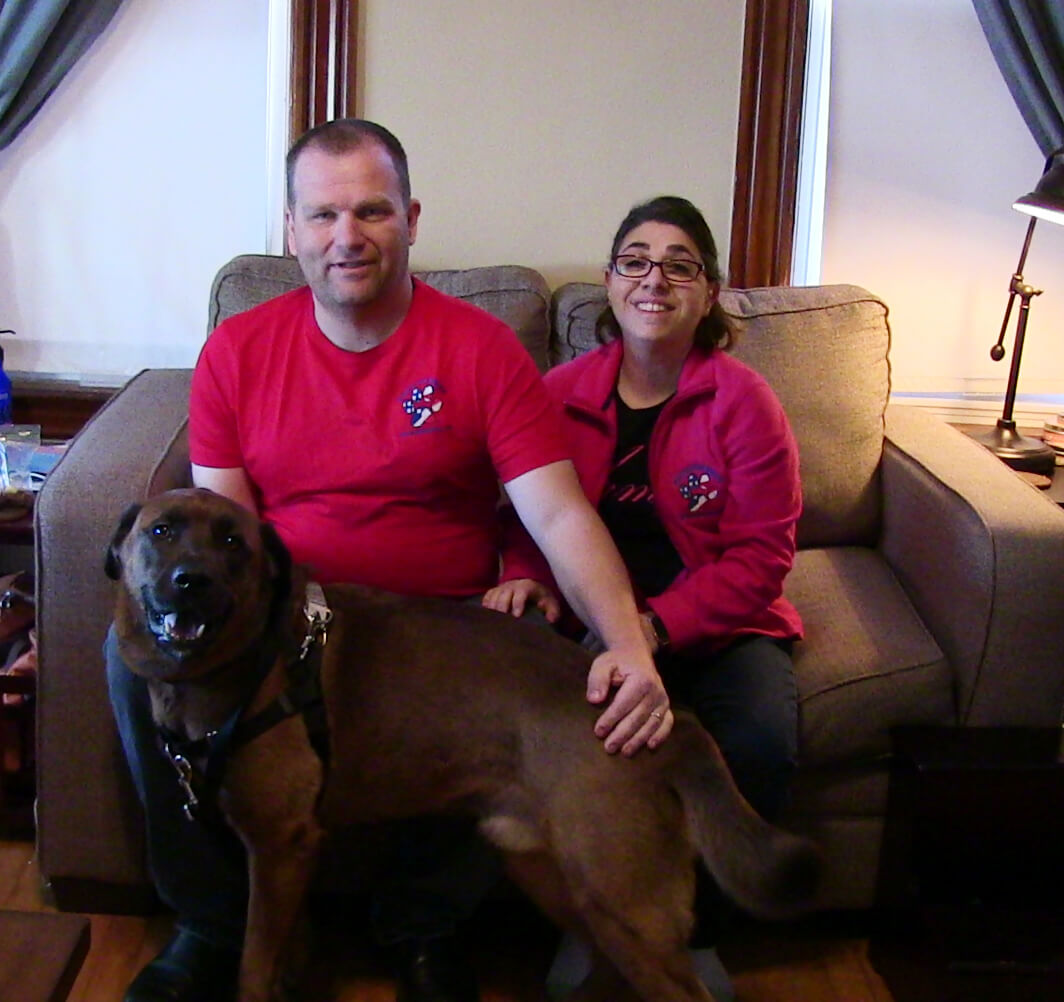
{"x": 1027, "y": 39}
{"x": 39, "y": 41}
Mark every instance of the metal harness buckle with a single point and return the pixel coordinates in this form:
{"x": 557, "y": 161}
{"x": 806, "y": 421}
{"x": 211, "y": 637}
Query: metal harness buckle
{"x": 318, "y": 615}
{"x": 184, "y": 781}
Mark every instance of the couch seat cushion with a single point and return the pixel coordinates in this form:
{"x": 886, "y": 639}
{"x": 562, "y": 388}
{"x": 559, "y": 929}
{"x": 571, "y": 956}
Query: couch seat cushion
{"x": 867, "y": 662}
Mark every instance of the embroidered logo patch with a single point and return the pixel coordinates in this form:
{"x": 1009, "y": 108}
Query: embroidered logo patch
{"x": 698, "y": 486}
{"x": 422, "y": 402}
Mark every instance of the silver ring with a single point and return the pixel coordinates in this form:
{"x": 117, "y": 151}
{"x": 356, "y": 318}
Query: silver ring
{"x": 657, "y": 714}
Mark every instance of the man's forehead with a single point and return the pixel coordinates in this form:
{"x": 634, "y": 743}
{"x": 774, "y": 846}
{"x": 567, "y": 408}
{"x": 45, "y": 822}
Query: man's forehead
{"x": 367, "y": 167}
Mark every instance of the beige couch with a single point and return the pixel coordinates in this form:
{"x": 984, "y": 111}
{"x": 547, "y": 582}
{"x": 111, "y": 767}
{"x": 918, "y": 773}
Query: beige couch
{"x": 927, "y": 574}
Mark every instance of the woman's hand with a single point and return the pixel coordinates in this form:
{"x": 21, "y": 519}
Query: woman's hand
{"x": 638, "y": 711}
{"x": 517, "y": 595}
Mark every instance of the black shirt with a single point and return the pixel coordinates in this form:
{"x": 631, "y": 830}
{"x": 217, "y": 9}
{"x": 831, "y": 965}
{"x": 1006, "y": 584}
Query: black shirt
{"x": 627, "y": 505}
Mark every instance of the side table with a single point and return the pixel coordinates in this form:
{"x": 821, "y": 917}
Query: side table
{"x": 974, "y": 840}
{"x": 17, "y": 708}
{"x": 1055, "y": 491}
{"x": 16, "y": 539}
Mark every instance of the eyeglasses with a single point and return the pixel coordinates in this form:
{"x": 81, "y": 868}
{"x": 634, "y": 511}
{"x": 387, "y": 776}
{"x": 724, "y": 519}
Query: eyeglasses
{"x": 673, "y": 269}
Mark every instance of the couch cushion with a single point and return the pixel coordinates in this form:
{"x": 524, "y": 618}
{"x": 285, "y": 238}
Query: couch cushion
{"x": 250, "y": 279}
{"x": 516, "y": 295}
{"x": 867, "y": 661}
{"x": 823, "y": 349}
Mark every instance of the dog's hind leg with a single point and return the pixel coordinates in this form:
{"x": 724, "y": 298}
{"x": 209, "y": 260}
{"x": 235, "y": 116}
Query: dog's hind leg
{"x": 629, "y": 868}
{"x": 538, "y": 876}
{"x": 621, "y": 876}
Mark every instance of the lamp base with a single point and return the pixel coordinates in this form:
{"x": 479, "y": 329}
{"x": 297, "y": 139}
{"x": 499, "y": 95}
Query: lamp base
{"x": 1017, "y": 451}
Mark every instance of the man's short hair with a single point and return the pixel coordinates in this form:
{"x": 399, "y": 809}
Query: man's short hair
{"x": 341, "y": 136}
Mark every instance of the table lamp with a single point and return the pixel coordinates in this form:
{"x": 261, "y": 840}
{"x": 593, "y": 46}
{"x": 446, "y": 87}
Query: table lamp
{"x": 1012, "y": 448}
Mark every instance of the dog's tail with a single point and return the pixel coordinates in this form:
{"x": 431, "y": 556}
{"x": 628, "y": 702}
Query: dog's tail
{"x": 769, "y": 872}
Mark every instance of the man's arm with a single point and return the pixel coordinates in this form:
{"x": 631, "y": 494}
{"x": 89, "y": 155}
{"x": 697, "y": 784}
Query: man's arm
{"x": 231, "y": 483}
{"x": 592, "y": 576}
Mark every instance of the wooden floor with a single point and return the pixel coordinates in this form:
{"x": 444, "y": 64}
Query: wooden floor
{"x": 832, "y": 958}
{"x": 511, "y": 947}
{"x": 827, "y": 958}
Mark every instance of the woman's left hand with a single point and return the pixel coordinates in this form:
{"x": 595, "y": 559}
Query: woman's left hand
{"x": 517, "y": 595}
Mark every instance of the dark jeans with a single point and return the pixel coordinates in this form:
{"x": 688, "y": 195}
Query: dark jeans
{"x": 439, "y": 868}
{"x": 746, "y": 697}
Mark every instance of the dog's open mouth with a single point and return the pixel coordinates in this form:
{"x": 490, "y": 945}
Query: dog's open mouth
{"x": 182, "y": 631}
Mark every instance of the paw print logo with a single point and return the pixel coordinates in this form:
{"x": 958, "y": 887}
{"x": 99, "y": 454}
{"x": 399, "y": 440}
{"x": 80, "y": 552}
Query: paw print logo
{"x": 422, "y": 402}
{"x": 697, "y": 489}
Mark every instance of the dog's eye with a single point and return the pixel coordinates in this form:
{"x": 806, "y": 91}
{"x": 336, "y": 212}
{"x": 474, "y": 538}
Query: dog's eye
{"x": 234, "y": 541}
{"x": 160, "y": 530}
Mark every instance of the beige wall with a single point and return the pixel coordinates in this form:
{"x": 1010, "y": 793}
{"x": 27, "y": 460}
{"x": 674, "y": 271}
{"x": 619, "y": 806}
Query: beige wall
{"x": 532, "y": 126}
{"x": 927, "y": 152}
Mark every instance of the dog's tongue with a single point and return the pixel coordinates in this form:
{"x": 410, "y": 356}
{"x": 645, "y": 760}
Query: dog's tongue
{"x": 181, "y": 630}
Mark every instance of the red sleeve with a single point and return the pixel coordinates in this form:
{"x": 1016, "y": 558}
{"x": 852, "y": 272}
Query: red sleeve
{"x": 214, "y": 439}
{"x": 522, "y": 420}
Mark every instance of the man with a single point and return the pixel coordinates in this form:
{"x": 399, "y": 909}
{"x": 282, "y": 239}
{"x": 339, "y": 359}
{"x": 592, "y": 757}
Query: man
{"x": 369, "y": 418}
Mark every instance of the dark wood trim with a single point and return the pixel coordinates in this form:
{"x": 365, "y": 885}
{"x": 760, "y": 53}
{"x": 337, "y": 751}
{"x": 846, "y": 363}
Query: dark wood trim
{"x": 59, "y": 407}
{"x": 324, "y": 63}
{"x": 766, "y": 160}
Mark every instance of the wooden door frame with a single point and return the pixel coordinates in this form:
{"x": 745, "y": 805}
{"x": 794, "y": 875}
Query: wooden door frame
{"x": 766, "y": 159}
{"x": 323, "y": 81}
{"x": 324, "y": 85}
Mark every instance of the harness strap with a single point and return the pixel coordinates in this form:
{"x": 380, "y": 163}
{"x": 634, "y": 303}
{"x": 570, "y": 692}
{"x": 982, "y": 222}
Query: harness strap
{"x": 302, "y": 695}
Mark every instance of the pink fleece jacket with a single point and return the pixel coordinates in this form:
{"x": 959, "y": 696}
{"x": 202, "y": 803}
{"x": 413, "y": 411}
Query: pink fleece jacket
{"x": 724, "y": 472}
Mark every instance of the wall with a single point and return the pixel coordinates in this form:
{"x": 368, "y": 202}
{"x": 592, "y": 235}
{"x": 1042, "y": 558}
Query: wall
{"x": 142, "y": 173}
{"x": 926, "y": 154}
{"x": 531, "y": 126}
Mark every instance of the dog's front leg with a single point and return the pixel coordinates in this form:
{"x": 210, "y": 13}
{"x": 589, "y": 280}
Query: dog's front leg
{"x": 278, "y": 881}
{"x": 271, "y": 792}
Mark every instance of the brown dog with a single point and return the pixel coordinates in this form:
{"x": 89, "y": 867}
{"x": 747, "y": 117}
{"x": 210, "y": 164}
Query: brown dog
{"x": 431, "y": 706}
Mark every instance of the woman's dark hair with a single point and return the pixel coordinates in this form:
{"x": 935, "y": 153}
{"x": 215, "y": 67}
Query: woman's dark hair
{"x": 713, "y": 330}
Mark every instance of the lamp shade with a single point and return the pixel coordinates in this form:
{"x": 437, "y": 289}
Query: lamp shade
{"x": 1047, "y": 199}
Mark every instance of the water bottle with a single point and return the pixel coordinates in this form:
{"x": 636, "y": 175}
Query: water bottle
{"x": 5, "y": 393}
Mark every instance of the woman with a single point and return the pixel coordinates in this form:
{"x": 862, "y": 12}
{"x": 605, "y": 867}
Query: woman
{"x": 688, "y": 456}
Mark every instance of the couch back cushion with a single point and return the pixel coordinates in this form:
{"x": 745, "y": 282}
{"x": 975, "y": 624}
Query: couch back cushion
{"x": 823, "y": 349}
{"x": 518, "y": 296}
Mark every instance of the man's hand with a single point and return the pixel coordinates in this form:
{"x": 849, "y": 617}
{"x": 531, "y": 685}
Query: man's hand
{"x": 515, "y": 596}
{"x": 639, "y": 713}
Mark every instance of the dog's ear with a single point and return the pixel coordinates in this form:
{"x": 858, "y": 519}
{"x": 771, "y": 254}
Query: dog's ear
{"x": 280, "y": 562}
{"x": 112, "y": 564}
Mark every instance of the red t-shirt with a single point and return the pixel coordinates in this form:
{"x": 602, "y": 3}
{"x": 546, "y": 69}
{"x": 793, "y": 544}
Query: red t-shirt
{"x": 379, "y": 467}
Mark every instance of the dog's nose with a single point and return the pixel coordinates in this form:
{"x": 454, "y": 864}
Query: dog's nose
{"x": 189, "y": 579}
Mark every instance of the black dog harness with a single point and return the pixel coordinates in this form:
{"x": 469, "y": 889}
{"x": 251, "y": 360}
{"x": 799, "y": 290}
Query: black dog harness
{"x": 200, "y": 764}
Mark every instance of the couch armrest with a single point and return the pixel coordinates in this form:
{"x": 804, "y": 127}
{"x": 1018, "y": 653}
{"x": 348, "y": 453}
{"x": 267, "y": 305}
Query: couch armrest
{"x": 88, "y": 824}
{"x": 981, "y": 555}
